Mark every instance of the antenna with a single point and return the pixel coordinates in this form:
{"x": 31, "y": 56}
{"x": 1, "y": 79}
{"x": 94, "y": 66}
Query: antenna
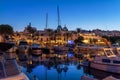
{"x": 58, "y": 13}
{"x": 46, "y": 20}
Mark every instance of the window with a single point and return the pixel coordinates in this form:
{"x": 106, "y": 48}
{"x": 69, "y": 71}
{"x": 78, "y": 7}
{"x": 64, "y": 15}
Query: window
{"x": 106, "y": 60}
{"x": 116, "y": 62}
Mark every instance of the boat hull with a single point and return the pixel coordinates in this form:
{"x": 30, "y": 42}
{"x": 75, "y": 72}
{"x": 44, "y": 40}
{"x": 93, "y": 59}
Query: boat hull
{"x": 36, "y": 52}
{"x": 106, "y": 67}
{"x": 20, "y": 76}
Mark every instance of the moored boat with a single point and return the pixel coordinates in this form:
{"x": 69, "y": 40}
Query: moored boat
{"x": 106, "y": 61}
{"x": 23, "y": 47}
{"x": 23, "y": 50}
{"x": 9, "y": 69}
{"x": 36, "y": 49}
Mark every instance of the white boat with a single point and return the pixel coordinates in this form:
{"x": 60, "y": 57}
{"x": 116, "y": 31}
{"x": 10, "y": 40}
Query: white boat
{"x": 23, "y": 50}
{"x": 106, "y": 61}
{"x": 20, "y": 76}
{"x": 36, "y": 49}
{"x": 23, "y": 47}
{"x": 9, "y": 70}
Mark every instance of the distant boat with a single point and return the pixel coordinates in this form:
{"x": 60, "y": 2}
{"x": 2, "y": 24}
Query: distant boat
{"x": 23, "y": 47}
{"x": 5, "y": 46}
{"x": 23, "y": 50}
{"x": 106, "y": 61}
{"x": 36, "y": 49}
{"x": 61, "y": 48}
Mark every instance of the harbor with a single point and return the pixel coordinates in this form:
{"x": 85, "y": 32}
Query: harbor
{"x": 59, "y": 40}
{"x": 64, "y": 66}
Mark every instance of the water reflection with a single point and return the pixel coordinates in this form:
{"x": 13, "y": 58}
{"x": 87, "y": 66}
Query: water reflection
{"x": 56, "y": 68}
{"x": 59, "y": 71}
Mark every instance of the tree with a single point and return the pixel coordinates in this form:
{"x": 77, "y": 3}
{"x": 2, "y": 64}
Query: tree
{"x": 93, "y": 41}
{"x": 31, "y": 29}
{"x": 112, "y": 39}
{"x": 79, "y": 40}
{"x": 5, "y": 30}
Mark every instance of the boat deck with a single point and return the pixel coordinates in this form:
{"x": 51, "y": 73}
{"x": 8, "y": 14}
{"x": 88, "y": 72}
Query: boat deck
{"x": 8, "y": 68}
{"x": 1, "y": 71}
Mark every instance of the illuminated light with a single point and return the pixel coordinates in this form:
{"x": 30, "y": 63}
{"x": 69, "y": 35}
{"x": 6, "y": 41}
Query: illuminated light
{"x": 70, "y": 55}
{"x": 70, "y": 42}
{"x": 99, "y": 40}
{"x": 59, "y": 56}
{"x": 30, "y": 62}
{"x": 86, "y": 41}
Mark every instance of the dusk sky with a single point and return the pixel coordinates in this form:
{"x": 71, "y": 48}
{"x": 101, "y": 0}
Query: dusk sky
{"x": 84, "y": 14}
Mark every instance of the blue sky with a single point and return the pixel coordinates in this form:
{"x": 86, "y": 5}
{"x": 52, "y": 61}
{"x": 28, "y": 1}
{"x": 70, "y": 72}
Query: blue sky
{"x": 84, "y": 14}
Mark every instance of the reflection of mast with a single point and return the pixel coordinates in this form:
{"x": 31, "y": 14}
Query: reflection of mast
{"x": 46, "y": 20}
{"x": 58, "y": 13}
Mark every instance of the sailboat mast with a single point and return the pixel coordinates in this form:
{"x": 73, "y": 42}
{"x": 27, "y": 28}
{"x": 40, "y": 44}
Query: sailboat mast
{"x": 58, "y": 13}
{"x": 46, "y": 20}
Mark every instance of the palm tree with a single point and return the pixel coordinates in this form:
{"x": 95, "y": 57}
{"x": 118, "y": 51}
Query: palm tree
{"x": 5, "y": 30}
{"x": 78, "y": 66}
{"x": 79, "y": 40}
{"x": 30, "y": 29}
{"x": 65, "y": 69}
{"x": 59, "y": 70}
